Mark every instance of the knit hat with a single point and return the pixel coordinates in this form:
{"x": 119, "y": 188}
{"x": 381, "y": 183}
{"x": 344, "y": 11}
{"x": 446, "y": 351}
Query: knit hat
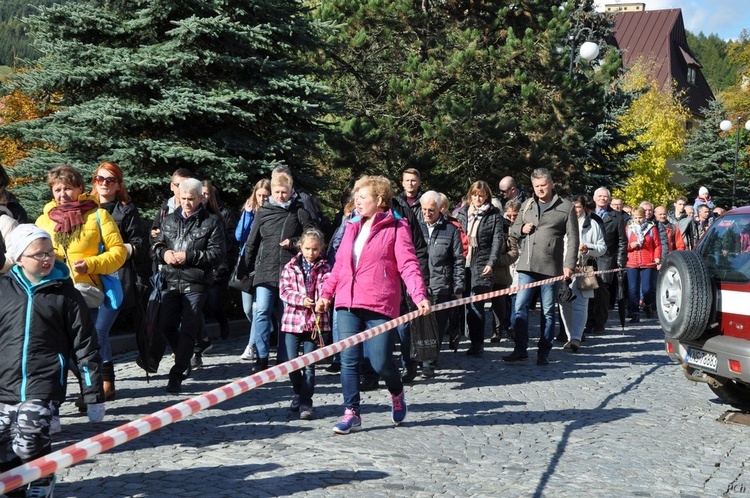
{"x": 703, "y": 191}
{"x": 22, "y": 236}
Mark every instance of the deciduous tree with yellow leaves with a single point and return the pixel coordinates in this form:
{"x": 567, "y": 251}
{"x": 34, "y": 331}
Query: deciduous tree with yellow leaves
{"x": 657, "y": 120}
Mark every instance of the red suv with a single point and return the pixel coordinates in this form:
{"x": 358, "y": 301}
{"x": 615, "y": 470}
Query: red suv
{"x": 703, "y": 303}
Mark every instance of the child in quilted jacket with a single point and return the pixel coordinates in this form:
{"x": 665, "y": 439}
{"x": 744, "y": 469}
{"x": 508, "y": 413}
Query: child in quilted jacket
{"x": 300, "y": 285}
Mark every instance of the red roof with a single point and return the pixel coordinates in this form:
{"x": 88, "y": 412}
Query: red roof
{"x": 659, "y": 35}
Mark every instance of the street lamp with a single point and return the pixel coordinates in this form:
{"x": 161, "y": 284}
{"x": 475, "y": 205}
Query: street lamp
{"x": 726, "y": 125}
{"x": 588, "y": 51}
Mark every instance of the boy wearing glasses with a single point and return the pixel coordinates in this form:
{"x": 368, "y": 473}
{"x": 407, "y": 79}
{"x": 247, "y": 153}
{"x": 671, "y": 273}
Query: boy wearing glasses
{"x": 43, "y": 322}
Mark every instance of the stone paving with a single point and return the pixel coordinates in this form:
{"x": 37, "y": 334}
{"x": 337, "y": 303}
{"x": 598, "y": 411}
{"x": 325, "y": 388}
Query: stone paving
{"x": 618, "y": 419}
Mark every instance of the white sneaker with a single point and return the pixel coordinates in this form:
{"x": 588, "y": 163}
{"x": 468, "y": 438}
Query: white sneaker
{"x": 54, "y": 425}
{"x": 248, "y": 354}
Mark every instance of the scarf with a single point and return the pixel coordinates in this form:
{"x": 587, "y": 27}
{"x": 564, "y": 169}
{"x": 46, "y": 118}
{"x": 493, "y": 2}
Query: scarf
{"x": 283, "y": 205}
{"x": 475, "y": 216}
{"x": 69, "y": 220}
{"x": 640, "y": 231}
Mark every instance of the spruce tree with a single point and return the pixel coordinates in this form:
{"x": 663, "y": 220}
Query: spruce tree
{"x": 469, "y": 90}
{"x": 225, "y": 88}
{"x": 708, "y": 159}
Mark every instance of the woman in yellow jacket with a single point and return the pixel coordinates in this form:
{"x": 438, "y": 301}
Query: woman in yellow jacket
{"x": 78, "y": 225}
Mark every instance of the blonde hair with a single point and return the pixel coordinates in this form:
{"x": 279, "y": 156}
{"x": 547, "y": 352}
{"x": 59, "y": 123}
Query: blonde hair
{"x": 379, "y": 186}
{"x": 279, "y": 178}
{"x": 265, "y": 183}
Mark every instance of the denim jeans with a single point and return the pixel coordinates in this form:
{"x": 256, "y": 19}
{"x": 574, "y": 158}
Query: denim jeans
{"x": 380, "y": 351}
{"x": 268, "y": 310}
{"x": 105, "y": 318}
{"x": 547, "y": 301}
{"x": 180, "y": 321}
{"x": 335, "y": 337}
{"x": 639, "y": 283}
{"x": 248, "y": 306}
{"x": 303, "y": 381}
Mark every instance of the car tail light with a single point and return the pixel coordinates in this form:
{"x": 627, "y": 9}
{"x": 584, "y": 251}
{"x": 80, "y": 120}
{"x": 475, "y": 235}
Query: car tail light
{"x": 670, "y": 348}
{"x": 735, "y": 366}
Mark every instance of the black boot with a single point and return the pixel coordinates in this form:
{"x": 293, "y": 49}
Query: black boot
{"x": 260, "y": 365}
{"x": 108, "y": 376}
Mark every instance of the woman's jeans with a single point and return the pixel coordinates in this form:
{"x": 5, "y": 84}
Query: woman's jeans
{"x": 104, "y": 320}
{"x": 268, "y": 307}
{"x": 351, "y": 321}
{"x": 639, "y": 283}
{"x": 303, "y": 380}
{"x": 248, "y": 306}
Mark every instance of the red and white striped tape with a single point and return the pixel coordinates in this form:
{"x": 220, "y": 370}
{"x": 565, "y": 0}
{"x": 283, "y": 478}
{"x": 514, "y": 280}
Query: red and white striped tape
{"x": 105, "y": 441}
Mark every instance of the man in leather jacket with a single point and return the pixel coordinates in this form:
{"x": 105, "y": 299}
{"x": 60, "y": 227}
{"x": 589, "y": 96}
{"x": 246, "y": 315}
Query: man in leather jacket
{"x": 190, "y": 245}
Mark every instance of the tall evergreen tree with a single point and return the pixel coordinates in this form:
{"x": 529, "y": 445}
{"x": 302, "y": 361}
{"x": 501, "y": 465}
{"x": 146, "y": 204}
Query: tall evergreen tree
{"x": 223, "y": 87}
{"x": 469, "y": 90}
{"x": 708, "y": 159}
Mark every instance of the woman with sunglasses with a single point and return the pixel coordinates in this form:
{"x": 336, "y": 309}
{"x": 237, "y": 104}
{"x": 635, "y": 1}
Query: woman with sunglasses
{"x": 85, "y": 238}
{"x": 108, "y": 189}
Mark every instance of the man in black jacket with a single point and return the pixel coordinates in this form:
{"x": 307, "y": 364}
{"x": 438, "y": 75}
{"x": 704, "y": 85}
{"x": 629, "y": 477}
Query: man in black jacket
{"x": 446, "y": 263}
{"x": 190, "y": 244}
{"x": 407, "y": 205}
{"x": 613, "y": 223}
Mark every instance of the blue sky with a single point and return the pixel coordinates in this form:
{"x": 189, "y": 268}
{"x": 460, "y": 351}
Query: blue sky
{"x": 726, "y": 18}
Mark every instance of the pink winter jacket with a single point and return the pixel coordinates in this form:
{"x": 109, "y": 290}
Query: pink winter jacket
{"x": 387, "y": 258}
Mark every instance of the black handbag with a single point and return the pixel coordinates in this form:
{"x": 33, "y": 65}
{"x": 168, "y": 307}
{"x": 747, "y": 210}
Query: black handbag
{"x": 425, "y": 339}
{"x": 244, "y": 285}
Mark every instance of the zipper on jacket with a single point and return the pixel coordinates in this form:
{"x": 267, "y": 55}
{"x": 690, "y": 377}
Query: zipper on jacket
{"x": 25, "y": 353}
{"x": 87, "y": 376}
{"x": 62, "y": 368}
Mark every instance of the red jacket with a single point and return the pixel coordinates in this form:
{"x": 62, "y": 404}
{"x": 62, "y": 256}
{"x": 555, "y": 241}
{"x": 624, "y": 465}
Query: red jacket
{"x": 387, "y": 258}
{"x": 643, "y": 257}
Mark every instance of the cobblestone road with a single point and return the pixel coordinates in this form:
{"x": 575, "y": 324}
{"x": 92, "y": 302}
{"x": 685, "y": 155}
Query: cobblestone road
{"x": 618, "y": 419}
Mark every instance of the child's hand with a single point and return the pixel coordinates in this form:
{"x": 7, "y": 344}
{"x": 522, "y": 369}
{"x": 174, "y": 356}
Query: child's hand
{"x": 308, "y": 303}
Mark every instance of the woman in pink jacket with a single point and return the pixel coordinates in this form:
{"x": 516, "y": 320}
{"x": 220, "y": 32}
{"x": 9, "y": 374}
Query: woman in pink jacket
{"x": 375, "y": 254}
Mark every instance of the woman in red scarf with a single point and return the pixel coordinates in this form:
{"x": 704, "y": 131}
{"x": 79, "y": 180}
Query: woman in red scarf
{"x": 71, "y": 220}
{"x": 78, "y": 225}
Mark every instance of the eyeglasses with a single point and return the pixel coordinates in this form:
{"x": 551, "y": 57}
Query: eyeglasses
{"x": 40, "y": 256}
{"x": 504, "y": 191}
{"x": 110, "y": 180}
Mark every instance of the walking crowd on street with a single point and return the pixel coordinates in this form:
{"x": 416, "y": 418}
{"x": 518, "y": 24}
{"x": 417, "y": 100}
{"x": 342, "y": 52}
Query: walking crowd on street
{"x": 305, "y": 280}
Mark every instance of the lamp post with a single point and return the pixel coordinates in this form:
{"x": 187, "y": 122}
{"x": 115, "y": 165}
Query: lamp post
{"x": 588, "y": 51}
{"x": 726, "y": 126}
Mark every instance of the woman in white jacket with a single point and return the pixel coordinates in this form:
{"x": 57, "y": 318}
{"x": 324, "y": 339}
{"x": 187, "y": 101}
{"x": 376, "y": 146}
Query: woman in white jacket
{"x": 591, "y": 236}
{"x": 7, "y": 224}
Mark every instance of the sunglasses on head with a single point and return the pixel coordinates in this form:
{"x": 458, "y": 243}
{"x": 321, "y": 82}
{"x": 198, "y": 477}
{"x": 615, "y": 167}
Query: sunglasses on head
{"x": 110, "y": 180}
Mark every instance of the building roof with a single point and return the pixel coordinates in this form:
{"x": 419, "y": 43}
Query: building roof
{"x": 659, "y": 36}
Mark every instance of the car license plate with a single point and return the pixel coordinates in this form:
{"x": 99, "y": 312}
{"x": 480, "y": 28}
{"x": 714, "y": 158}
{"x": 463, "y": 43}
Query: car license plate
{"x": 702, "y": 359}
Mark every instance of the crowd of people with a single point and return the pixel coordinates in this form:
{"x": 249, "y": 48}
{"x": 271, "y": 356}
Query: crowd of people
{"x": 68, "y": 276}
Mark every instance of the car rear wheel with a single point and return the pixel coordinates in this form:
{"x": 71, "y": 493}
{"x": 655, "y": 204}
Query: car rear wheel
{"x": 732, "y": 392}
{"x": 683, "y": 295}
